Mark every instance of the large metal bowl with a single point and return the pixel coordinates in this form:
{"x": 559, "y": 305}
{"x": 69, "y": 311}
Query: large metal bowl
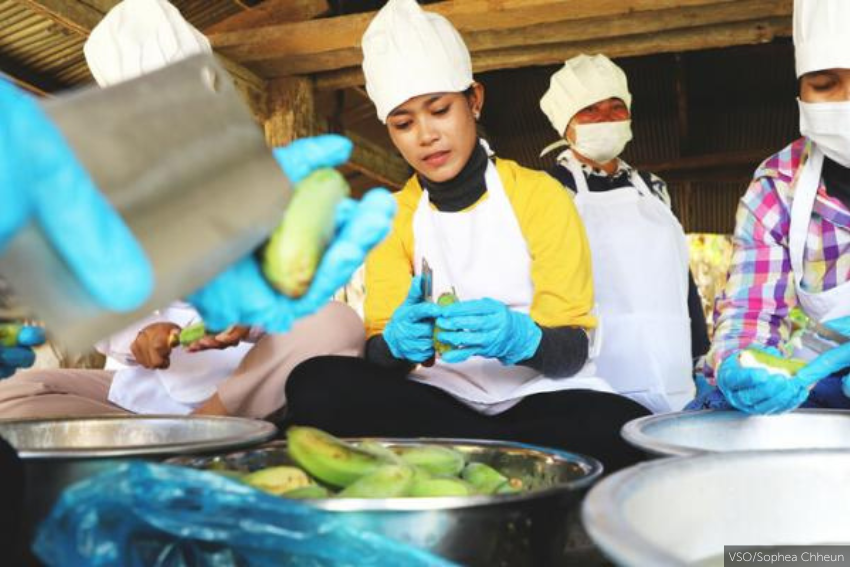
{"x": 691, "y": 433}
{"x": 57, "y": 452}
{"x": 537, "y": 527}
{"x": 683, "y": 511}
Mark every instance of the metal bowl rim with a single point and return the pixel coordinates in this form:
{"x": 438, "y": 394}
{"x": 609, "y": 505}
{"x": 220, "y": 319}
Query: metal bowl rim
{"x": 602, "y": 516}
{"x": 262, "y": 431}
{"x": 594, "y": 471}
{"x": 634, "y": 431}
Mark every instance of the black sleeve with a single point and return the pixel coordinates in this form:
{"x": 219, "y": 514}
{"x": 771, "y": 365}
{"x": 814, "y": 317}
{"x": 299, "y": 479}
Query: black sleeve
{"x": 563, "y": 175}
{"x": 378, "y": 352}
{"x": 562, "y": 352}
{"x": 699, "y": 329}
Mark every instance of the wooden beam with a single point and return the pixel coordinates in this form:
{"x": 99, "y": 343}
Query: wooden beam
{"x": 707, "y": 37}
{"x": 81, "y": 17}
{"x": 729, "y": 161}
{"x": 271, "y": 12}
{"x": 334, "y": 43}
{"x": 30, "y": 80}
{"x": 291, "y": 110}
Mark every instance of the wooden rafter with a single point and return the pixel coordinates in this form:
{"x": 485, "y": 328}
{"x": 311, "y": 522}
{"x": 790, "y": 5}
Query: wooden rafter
{"x": 271, "y": 12}
{"x": 516, "y": 33}
{"x": 81, "y": 17}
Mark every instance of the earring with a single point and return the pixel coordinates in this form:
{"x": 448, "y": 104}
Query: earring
{"x": 476, "y": 114}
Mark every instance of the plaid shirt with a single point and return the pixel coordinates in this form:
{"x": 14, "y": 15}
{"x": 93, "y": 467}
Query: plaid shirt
{"x": 760, "y": 290}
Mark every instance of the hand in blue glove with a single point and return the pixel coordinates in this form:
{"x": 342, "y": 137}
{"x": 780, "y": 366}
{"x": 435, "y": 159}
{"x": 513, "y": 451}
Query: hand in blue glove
{"x": 20, "y": 355}
{"x": 839, "y": 325}
{"x": 410, "y": 332}
{"x": 241, "y": 295}
{"x": 758, "y": 391}
{"x": 41, "y": 181}
{"x": 486, "y": 327}
{"x": 833, "y": 361}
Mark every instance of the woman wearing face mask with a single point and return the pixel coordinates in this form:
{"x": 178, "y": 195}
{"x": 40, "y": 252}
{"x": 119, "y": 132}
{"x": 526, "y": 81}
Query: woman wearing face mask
{"x": 651, "y": 319}
{"x": 505, "y": 239}
{"x": 792, "y": 239}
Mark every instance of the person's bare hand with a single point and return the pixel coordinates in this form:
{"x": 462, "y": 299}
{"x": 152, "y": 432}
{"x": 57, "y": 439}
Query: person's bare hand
{"x": 227, "y": 338}
{"x": 152, "y": 347}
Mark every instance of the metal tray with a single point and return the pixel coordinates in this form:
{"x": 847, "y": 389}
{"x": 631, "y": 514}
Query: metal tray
{"x": 691, "y": 433}
{"x": 682, "y": 511}
{"x": 537, "y": 527}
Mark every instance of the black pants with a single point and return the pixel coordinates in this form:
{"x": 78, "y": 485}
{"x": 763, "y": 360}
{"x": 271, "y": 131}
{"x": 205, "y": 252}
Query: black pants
{"x": 351, "y": 397}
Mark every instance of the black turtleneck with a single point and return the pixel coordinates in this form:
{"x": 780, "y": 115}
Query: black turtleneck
{"x": 836, "y": 177}
{"x": 562, "y": 351}
{"x": 463, "y": 190}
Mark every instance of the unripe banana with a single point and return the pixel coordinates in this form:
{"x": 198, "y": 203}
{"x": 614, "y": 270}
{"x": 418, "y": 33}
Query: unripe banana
{"x": 277, "y": 480}
{"x": 307, "y": 492}
{"x": 388, "y": 481}
{"x": 441, "y": 486}
{"x": 756, "y": 358}
{"x": 444, "y": 300}
{"x": 293, "y": 253}
{"x": 329, "y": 459}
{"x": 483, "y": 477}
{"x": 380, "y": 450}
{"x": 434, "y": 459}
{"x": 9, "y": 334}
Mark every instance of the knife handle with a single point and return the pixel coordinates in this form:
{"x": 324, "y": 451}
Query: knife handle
{"x": 429, "y": 363}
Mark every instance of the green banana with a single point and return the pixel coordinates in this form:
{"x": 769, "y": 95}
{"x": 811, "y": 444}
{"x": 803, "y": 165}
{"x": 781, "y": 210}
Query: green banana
{"x": 441, "y": 486}
{"x": 434, "y": 459}
{"x": 307, "y": 492}
{"x": 756, "y": 358}
{"x": 512, "y": 486}
{"x": 277, "y": 480}
{"x": 329, "y": 459}
{"x": 293, "y": 253}
{"x": 387, "y": 481}
{"x": 9, "y": 334}
{"x": 444, "y": 300}
{"x": 380, "y": 450}
{"x": 484, "y": 478}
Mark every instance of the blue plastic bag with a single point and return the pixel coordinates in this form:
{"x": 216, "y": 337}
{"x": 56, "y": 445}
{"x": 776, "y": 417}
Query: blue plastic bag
{"x": 143, "y": 514}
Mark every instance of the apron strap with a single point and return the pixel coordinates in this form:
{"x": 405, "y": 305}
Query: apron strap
{"x": 805, "y": 193}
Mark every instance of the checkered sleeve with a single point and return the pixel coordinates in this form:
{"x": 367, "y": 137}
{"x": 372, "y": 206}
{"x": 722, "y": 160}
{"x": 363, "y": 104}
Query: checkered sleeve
{"x": 759, "y": 291}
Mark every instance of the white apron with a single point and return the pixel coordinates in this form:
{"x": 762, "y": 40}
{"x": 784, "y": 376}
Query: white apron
{"x": 189, "y": 381}
{"x": 831, "y": 303}
{"x": 482, "y": 253}
{"x": 640, "y": 280}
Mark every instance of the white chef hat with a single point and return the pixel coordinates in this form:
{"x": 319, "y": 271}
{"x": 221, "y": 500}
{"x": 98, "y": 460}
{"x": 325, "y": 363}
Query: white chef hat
{"x": 821, "y": 35}
{"x": 582, "y": 81}
{"x": 137, "y": 37}
{"x": 409, "y": 52}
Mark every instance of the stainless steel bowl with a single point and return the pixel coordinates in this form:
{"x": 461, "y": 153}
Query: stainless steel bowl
{"x": 58, "y": 452}
{"x": 683, "y": 511}
{"x": 691, "y": 433}
{"x": 537, "y": 527}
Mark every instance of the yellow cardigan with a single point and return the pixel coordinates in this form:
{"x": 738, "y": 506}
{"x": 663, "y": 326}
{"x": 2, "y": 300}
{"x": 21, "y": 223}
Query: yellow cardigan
{"x": 560, "y": 255}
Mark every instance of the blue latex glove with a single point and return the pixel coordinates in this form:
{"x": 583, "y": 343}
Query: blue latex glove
{"x": 20, "y": 355}
{"x": 840, "y": 325}
{"x": 833, "y": 361}
{"x": 242, "y": 295}
{"x": 41, "y": 181}
{"x": 410, "y": 332}
{"x": 486, "y": 327}
{"x": 757, "y": 391}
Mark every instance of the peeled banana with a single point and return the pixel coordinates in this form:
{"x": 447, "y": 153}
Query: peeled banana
{"x": 756, "y": 358}
{"x": 441, "y": 486}
{"x": 309, "y": 491}
{"x": 444, "y": 300}
{"x": 434, "y": 459}
{"x": 293, "y": 253}
{"x": 278, "y": 480}
{"x": 387, "y": 481}
{"x": 329, "y": 459}
{"x": 484, "y": 478}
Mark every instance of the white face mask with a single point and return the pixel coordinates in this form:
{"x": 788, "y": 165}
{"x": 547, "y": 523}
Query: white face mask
{"x": 602, "y": 141}
{"x": 827, "y": 124}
